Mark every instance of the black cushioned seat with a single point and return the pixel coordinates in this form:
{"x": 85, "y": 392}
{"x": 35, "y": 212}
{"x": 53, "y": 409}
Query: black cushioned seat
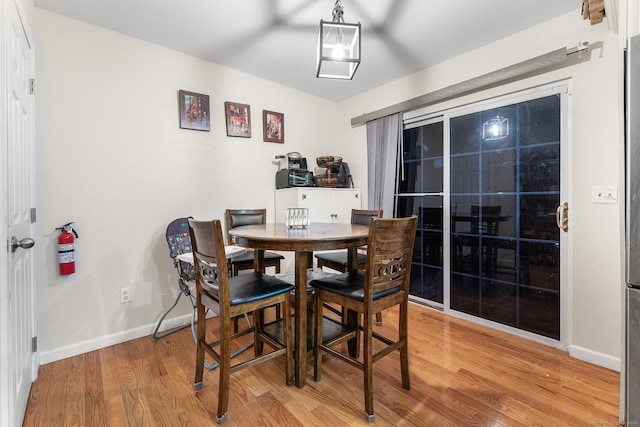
{"x": 252, "y": 287}
{"x": 350, "y": 285}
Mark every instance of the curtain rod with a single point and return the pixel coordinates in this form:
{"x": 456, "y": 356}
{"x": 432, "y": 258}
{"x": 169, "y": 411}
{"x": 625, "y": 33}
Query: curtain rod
{"x": 543, "y": 63}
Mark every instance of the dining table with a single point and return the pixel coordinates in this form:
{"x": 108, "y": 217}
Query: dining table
{"x": 303, "y": 241}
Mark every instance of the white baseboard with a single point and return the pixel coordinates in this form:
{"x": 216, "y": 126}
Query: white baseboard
{"x": 600, "y": 359}
{"x": 49, "y": 356}
{"x": 596, "y": 358}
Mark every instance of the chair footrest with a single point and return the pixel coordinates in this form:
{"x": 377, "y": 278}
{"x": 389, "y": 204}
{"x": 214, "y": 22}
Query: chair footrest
{"x": 330, "y": 330}
{"x": 312, "y": 274}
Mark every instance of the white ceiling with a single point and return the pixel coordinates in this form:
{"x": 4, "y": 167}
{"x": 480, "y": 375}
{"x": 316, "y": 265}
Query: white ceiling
{"x": 276, "y": 39}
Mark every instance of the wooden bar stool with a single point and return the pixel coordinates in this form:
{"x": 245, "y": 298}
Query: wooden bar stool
{"x": 384, "y": 283}
{"x": 231, "y": 297}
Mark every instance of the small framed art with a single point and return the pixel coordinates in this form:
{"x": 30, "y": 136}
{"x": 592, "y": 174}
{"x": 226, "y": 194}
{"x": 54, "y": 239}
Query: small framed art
{"x": 238, "y": 119}
{"x": 194, "y": 110}
{"x": 273, "y": 126}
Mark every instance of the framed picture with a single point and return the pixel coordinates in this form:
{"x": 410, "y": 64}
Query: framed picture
{"x": 238, "y": 119}
{"x": 273, "y": 126}
{"x": 194, "y": 110}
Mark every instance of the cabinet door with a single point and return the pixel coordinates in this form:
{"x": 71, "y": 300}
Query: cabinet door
{"x": 319, "y": 203}
{"x": 324, "y": 204}
{"x": 286, "y": 198}
{"x": 343, "y": 202}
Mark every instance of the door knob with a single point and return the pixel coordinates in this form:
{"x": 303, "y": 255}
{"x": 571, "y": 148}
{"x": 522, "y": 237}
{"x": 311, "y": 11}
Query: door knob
{"x": 25, "y": 243}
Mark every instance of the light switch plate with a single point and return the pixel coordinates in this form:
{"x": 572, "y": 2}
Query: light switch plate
{"x": 604, "y": 194}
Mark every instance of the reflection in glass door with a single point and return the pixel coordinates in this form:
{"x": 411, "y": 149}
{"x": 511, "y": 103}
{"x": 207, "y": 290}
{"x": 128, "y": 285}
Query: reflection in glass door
{"x": 505, "y": 187}
{"x": 421, "y": 193}
{"x": 502, "y": 194}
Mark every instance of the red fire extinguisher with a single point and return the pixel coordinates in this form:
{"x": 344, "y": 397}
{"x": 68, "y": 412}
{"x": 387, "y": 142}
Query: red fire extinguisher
{"x": 66, "y": 249}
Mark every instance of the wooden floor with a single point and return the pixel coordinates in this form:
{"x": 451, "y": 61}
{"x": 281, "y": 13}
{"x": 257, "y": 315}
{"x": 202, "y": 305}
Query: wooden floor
{"x": 461, "y": 373}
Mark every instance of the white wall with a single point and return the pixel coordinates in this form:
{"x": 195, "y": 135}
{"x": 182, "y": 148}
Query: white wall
{"x": 112, "y": 158}
{"x": 596, "y": 139}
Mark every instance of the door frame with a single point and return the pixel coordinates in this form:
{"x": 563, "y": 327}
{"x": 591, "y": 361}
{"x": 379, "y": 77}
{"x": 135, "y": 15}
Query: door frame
{"x": 563, "y": 89}
{"x": 467, "y": 106}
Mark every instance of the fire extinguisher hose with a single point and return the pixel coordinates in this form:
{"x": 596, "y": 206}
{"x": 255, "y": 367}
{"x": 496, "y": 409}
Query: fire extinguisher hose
{"x": 67, "y": 227}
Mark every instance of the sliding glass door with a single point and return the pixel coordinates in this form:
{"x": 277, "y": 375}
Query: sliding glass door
{"x": 499, "y": 199}
{"x": 505, "y": 188}
{"x": 421, "y": 192}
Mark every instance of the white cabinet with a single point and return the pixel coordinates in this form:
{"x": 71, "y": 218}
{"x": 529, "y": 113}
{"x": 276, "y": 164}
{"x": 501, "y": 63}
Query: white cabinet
{"x": 324, "y": 204}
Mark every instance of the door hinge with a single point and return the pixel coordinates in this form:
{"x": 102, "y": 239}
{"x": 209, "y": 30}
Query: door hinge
{"x": 33, "y": 215}
{"x": 32, "y": 86}
{"x": 34, "y": 344}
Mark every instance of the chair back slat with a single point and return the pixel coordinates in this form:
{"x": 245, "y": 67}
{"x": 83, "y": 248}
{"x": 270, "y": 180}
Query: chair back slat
{"x": 238, "y": 217}
{"x": 210, "y": 261}
{"x": 362, "y": 216}
{"x": 179, "y": 242}
{"x": 389, "y": 249}
{"x": 486, "y": 220}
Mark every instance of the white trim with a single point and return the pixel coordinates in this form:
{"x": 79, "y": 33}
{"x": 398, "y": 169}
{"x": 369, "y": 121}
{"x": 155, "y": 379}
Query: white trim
{"x": 611, "y": 15}
{"x": 595, "y": 357}
{"x": 559, "y": 58}
{"x": 566, "y": 243}
{"x": 576, "y": 352}
{"x": 109, "y": 340}
{"x": 479, "y": 102}
{"x": 508, "y": 329}
{"x": 631, "y": 20}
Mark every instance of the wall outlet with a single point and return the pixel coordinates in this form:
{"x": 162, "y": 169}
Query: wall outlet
{"x": 125, "y": 295}
{"x": 604, "y": 194}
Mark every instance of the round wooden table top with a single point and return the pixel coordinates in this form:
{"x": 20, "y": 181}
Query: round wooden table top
{"x": 314, "y": 237}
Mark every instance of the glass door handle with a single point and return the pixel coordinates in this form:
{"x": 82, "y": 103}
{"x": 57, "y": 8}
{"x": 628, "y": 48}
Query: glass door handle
{"x": 562, "y": 216}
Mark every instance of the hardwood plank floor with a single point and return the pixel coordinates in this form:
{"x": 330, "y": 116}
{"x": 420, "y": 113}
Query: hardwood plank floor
{"x": 461, "y": 374}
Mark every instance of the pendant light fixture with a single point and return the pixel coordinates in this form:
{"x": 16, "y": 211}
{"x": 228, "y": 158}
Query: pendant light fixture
{"x": 338, "y": 47}
{"x": 495, "y": 129}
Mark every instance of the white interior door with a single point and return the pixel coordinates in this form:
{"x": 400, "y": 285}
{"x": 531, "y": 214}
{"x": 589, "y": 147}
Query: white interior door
{"x": 21, "y": 204}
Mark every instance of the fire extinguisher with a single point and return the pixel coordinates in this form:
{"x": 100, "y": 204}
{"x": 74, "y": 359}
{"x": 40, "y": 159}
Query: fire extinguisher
{"x": 66, "y": 249}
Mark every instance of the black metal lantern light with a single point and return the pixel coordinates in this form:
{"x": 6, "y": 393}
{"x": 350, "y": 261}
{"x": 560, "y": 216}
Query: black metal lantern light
{"x": 338, "y": 47}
